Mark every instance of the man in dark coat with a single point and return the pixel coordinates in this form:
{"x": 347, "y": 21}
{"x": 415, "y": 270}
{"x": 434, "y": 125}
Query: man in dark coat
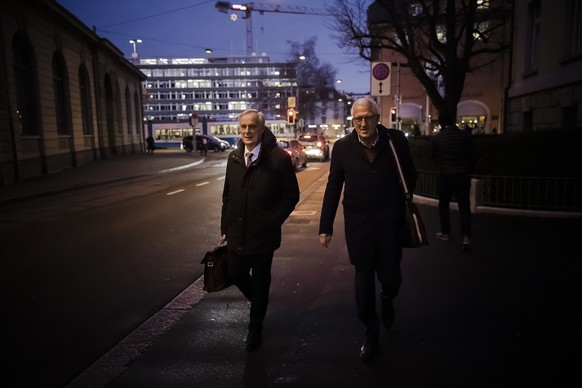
{"x": 451, "y": 151}
{"x": 363, "y": 164}
{"x": 260, "y": 191}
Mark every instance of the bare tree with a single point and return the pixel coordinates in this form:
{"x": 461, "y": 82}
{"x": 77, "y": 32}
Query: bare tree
{"x": 313, "y": 78}
{"x": 439, "y": 40}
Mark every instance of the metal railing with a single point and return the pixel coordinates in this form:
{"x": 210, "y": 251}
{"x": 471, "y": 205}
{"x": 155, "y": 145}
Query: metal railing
{"x": 530, "y": 193}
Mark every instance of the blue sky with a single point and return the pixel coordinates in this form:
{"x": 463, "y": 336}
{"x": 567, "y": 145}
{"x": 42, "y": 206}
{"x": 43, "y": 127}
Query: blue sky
{"x": 184, "y": 28}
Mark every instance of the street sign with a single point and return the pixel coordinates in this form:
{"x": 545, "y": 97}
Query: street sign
{"x": 380, "y": 79}
{"x": 291, "y": 102}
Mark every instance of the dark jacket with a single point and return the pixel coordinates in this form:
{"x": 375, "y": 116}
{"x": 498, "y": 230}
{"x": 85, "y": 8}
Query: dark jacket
{"x": 258, "y": 199}
{"x": 373, "y": 198}
{"x": 451, "y": 150}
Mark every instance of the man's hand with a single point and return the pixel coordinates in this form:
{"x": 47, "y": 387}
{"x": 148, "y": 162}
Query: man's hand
{"x": 324, "y": 239}
{"x": 222, "y": 240}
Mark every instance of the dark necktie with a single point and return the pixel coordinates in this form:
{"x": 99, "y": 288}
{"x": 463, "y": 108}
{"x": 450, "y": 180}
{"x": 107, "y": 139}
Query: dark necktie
{"x": 249, "y": 158}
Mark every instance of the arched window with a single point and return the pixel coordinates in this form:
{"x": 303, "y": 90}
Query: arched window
{"x": 61, "y": 91}
{"x": 85, "y": 93}
{"x": 128, "y": 114}
{"x": 26, "y": 89}
{"x": 109, "y": 113}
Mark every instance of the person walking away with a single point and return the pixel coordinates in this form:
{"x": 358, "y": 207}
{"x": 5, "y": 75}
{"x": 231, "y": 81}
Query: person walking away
{"x": 260, "y": 191}
{"x": 151, "y": 144}
{"x": 451, "y": 151}
{"x": 362, "y": 164}
{"x": 204, "y": 146}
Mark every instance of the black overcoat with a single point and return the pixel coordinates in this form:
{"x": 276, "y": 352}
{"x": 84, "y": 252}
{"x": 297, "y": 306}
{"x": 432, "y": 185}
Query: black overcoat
{"x": 373, "y": 199}
{"x": 258, "y": 199}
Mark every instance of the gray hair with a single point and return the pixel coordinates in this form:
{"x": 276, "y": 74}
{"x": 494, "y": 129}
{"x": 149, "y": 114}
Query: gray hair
{"x": 366, "y": 100}
{"x": 259, "y": 114}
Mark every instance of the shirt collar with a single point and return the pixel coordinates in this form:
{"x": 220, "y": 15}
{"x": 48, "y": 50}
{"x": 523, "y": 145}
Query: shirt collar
{"x": 255, "y": 151}
{"x": 373, "y": 143}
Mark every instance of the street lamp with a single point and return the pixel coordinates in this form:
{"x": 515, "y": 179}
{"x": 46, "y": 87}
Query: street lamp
{"x": 134, "y": 42}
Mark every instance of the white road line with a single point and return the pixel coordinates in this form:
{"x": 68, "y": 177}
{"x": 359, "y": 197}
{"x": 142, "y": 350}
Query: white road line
{"x": 183, "y": 167}
{"x": 175, "y": 192}
{"x": 202, "y": 184}
{"x": 220, "y": 178}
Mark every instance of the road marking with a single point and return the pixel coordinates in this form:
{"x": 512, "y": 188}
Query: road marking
{"x": 312, "y": 168}
{"x": 202, "y": 184}
{"x": 175, "y": 192}
{"x": 220, "y": 178}
{"x": 183, "y": 167}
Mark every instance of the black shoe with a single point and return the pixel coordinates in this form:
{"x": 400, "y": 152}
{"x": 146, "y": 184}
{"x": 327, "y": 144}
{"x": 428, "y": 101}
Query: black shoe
{"x": 369, "y": 348}
{"x": 254, "y": 340}
{"x": 387, "y": 314}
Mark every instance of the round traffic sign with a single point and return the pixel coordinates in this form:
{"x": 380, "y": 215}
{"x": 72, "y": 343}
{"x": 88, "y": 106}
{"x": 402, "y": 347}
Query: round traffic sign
{"x": 381, "y": 71}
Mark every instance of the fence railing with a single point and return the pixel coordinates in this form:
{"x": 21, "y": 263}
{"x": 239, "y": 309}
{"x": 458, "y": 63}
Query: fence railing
{"x": 530, "y": 193}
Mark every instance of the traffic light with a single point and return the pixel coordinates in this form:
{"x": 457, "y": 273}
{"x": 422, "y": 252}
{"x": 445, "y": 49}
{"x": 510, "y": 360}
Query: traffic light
{"x": 393, "y": 115}
{"x": 291, "y": 116}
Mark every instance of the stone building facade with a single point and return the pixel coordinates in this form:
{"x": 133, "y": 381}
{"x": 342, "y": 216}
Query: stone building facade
{"x": 546, "y": 72}
{"x": 67, "y": 96}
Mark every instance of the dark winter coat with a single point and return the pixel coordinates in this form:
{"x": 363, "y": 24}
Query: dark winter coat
{"x": 258, "y": 199}
{"x": 373, "y": 198}
{"x": 451, "y": 150}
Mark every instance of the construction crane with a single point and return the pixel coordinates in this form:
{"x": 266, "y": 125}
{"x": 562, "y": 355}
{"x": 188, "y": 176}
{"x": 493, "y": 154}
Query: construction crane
{"x": 249, "y": 8}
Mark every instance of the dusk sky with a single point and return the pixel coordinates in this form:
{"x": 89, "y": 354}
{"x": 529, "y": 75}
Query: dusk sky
{"x": 185, "y": 28}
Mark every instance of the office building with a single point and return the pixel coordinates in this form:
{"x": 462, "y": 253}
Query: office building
{"x": 206, "y": 95}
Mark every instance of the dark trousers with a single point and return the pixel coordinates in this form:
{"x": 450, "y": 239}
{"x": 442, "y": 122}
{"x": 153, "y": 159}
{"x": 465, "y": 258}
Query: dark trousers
{"x": 387, "y": 268}
{"x": 252, "y": 275}
{"x": 460, "y": 186}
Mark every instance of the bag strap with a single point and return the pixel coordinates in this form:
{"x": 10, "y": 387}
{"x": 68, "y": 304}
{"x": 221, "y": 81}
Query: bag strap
{"x": 407, "y": 194}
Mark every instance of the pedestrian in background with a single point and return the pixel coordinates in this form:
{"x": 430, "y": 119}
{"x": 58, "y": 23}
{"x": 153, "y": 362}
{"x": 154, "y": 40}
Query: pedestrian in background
{"x": 362, "y": 164}
{"x": 451, "y": 151}
{"x": 151, "y": 144}
{"x": 260, "y": 191}
{"x": 204, "y": 146}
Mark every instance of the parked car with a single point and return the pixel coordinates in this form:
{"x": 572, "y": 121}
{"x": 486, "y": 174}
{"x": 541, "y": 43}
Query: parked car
{"x": 316, "y": 146}
{"x": 296, "y": 151}
{"x": 214, "y": 143}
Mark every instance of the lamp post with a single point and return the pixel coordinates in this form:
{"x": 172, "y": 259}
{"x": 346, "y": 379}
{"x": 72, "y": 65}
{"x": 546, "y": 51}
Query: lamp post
{"x": 343, "y": 101}
{"x": 134, "y": 42}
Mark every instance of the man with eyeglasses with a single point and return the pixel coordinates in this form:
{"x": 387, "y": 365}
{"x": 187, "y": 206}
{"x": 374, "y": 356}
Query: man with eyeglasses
{"x": 260, "y": 191}
{"x": 363, "y": 166}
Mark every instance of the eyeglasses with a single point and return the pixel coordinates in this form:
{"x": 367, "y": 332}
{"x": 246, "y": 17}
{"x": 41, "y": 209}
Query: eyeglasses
{"x": 367, "y": 119}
